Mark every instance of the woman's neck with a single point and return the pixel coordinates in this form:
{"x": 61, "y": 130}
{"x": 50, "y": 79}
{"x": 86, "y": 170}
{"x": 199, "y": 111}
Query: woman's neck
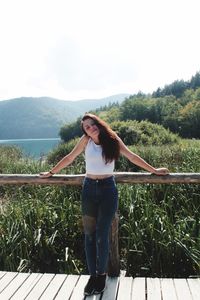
{"x": 96, "y": 141}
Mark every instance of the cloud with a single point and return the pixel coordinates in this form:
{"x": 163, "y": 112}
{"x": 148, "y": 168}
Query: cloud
{"x": 78, "y": 66}
{"x": 77, "y": 48}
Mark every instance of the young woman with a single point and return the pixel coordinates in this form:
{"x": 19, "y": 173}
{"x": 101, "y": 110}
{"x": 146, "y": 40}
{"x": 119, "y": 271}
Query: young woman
{"x": 102, "y": 147}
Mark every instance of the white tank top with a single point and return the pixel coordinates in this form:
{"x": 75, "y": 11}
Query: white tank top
{"x": 95, "y": 163}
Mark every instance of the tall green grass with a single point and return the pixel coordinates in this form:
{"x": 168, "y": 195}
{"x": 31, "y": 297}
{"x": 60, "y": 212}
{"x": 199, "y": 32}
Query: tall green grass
{"x": 159, "y": 230}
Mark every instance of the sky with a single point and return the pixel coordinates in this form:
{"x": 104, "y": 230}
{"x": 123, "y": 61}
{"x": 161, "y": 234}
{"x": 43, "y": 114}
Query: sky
{"x": 90, "y": 49}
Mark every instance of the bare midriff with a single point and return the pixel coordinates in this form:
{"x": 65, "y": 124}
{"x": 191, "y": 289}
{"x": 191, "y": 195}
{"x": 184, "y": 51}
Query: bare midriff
{"x": 92, "y": 176}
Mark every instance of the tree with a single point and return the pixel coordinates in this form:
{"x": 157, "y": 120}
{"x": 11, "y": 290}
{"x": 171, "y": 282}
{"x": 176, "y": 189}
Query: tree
{"x": 189, "y": 120}
{"x": 70, "y": 131}
{"x": 195, "y": 81}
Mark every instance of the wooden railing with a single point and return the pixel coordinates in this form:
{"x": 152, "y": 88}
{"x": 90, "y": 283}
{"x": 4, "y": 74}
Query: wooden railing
{"x": 120, "y": 177}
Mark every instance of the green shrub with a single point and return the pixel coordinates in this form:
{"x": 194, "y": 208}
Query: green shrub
{"x": 143, "y": 133}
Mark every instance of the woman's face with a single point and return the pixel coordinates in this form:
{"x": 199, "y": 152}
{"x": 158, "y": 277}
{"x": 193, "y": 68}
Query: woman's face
{"x": 91, "y": 128}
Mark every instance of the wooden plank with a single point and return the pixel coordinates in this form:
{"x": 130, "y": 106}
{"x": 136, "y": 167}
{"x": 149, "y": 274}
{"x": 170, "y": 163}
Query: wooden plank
{"x": 53, "y": 287}
{"x": 67, "y": 287}
{"x": 153, "y": 289}
{"x": 110, "y": 292}
{"x": 27, "y": 286}
{"x": 121, "y": 177}
{"x": 6, "y": 279}
{"x": 14, "y": 285}
{"x": 21, "y": 179}
{"x": 138, "y": 289}
{"x": 131, "y": 177}
{"x": 168, "y": 289}
{"x": 194, "y": 285}
{"x": 125, "y": 288}
{"x": 79, "y": 288}
{"x": 2, "y": 273}
{"x": 93, "y": 297}
{"x": 182, "y": 289}
{"x": 40, "y": 287}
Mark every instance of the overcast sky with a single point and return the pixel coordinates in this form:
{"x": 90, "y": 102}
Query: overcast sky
{"x": 78, "y": 49}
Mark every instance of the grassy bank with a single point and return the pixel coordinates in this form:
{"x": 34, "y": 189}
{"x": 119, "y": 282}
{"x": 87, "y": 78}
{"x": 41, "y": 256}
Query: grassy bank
{"x": 159, "y": 231}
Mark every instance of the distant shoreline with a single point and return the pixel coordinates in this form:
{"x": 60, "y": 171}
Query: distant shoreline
{"x": 34, "y": 139}
{"x": 34, "y": 148}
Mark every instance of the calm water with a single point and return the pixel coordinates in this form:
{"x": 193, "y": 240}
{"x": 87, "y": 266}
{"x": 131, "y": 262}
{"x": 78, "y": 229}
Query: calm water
{"x": 33, "y": 147}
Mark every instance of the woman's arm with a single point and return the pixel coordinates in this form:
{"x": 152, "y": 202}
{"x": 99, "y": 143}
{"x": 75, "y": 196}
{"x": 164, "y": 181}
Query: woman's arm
{"x": 137, "y": 160}
{"x": 69, "y": 158}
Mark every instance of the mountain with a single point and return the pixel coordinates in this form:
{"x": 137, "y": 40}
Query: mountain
{"x": 25, "y": 117}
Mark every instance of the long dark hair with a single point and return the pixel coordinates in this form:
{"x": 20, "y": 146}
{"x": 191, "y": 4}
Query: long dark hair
{"x": 107, "y": 138}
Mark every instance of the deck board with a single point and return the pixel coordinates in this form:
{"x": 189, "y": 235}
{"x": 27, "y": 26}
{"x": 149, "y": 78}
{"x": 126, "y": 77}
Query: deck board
{"x": 40, "y": 287}
{"x": 139, "y": 289}
{"x": 14, "y": 285}
{"x": 53, "y": 288}
{"x": 27, "y": 286}
{"x": 111, "y": 288}
{"x": 194, "y": 285}
{"x": 78, "y": 291}
{"x": 182, "y": 289}
{"x": 33, "y": 286}
{"x": 6, "y": 280}
{"x": 168, "y": 289}
{"x": 153, "y": 289}
{"x": 125, "y": 288}
{"x": 67, "y": 287}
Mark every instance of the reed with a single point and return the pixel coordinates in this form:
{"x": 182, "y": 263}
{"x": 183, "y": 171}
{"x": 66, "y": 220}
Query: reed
{"x": 159, "y": 227}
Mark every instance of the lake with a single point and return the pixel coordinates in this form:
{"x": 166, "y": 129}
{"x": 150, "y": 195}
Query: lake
{"x": 34, "y": 148}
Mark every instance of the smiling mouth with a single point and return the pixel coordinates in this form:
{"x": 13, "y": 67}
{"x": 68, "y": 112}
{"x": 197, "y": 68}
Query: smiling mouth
{"x": 95, "y": 130}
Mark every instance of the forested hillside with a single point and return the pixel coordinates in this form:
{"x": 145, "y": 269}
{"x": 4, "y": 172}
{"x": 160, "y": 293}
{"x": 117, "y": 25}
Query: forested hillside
{"x": 42, "y": 117}
{"x": 176, "y": 107}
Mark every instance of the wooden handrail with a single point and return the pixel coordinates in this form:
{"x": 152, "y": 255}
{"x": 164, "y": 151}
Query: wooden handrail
{"x": 121, "y": 177}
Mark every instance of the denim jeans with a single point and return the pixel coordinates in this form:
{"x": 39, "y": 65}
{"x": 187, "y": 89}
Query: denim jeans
{"x": 99, "y": 204}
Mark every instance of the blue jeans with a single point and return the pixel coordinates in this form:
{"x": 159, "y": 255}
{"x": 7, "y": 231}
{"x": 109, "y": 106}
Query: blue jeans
{"x": 99, "y": 204}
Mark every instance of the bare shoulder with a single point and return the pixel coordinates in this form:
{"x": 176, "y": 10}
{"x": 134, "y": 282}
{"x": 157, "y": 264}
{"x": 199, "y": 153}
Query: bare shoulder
{"x": 80, "y": 146}
{"x": 123, "y": 148}
{"x": 83, "y": 140}
{"x": 121, "y": 143}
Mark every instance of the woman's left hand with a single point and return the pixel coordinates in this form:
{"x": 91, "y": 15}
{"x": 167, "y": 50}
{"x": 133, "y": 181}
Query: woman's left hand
{"x": 161, "y": 171}
{"x": 45, "y": 174}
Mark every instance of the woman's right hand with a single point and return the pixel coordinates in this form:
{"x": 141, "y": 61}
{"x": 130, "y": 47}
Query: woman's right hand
{"x": 161, "y": 171}
{"x": 45, "y": 174}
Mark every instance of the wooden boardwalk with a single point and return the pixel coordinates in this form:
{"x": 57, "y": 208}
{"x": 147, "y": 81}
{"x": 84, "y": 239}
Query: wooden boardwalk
{"x": 33, "y": 286}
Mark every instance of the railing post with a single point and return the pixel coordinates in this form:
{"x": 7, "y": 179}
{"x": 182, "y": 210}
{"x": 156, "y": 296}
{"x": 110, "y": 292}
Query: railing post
{"x": 114, "y": 262}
